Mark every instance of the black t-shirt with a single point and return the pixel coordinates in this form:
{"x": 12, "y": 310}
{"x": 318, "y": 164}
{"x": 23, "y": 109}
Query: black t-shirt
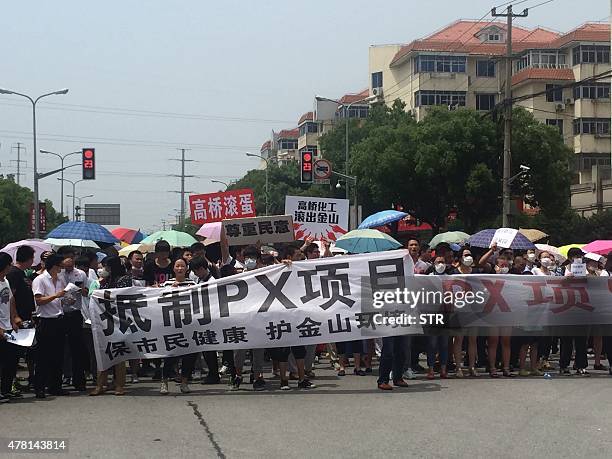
{"x": 154, "y": 274}
{"x": 24, "y": 298}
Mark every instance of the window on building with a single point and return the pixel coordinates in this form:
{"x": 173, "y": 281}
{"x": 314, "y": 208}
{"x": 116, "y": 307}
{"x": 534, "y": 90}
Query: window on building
{"x": 309, "y": 128}
{"x": 554, "y": 93}
{"x": 440, "y": 98}
{"x": 592, "y": 91}
{"x": 442, "y": 64}
{"x": 356, "y": 111}
{"x": 485, "y": 101}
{"x": 377, "y": 80}
{"x": 485, "y": 68}
{"x": 586, "y": 161}
{"x": 287, "y": 144}
{"x": 591, "y": 54}
{"x": 557, "y": 123}
{"x": 593, "y": 126}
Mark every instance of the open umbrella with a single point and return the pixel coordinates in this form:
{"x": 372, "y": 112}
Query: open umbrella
{"x": 211, "y": 231}
{"x": 554, "y": 251}
{"x": 144, "y": 248}
{"x": 83, "y": 230}
{"x": 38, "y": 246}
{"x": 131, "y": 236}
{"x": 533, "y": 234}
{"x": 485, "y": 237}
{"x": 60, "y": 242}
{"x": 174, "y": 238}
{"x": 366, "y": 241}
{"x": 450, "y": 237}
{"x": 600, "y": 247}
{"x": 565, "y": 248}
{"x": 382, "y": 218}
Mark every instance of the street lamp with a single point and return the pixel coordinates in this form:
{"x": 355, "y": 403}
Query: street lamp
{"x": 355, "y": 213}
{"x": 34, "y": 101}
{"x": 222, "y": 183}
{"x": 73, "y": 192}
{"x": 267, "y": 163}
{"x": 61, "y": 157}
{"x": 80, "y": 199}
{"x": 346, "y": 141}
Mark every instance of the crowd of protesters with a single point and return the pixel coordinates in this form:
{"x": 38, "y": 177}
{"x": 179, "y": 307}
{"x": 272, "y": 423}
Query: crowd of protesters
{"x": 62, "y": 356}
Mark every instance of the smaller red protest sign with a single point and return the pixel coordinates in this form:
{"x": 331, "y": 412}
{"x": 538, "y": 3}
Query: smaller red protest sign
{"x": 215, "y": 207}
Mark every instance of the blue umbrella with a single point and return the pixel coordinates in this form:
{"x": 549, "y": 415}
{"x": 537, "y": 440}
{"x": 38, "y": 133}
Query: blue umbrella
{"x": 366, "y": 241}
{"x": 83, "y": 230}
{"x": 483, "y": 239}
{"x": 382, "y": 218}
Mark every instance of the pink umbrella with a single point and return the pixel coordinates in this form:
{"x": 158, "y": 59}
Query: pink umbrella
{"x": 600, "y": 247}
{"x": 211, "y": 231}
{"x": 38, "y": 246}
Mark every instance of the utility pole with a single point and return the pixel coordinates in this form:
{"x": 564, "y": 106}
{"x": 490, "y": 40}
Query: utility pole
{"x": 508, "y": 116}
{"x": 19, "y": 160}
{"x": 182, "y": 176}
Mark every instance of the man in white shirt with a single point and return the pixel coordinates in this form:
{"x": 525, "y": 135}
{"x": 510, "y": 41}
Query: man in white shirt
{"x": 48, "y": 289}
{"x": 73, "y": 304}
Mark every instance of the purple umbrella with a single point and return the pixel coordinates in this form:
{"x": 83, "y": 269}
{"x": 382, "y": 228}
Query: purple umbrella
{"x": 483, "y": 239}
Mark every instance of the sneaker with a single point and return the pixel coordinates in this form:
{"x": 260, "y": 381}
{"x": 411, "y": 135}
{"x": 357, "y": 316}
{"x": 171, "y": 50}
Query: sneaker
{"x": 459, "y": 373}
{"x": 564, "y": 372}
{"x": 305, "y": 384}
{"x": 357, "y": 372}
{"x": 184, "y": 388}
{"x": 235, "y": 383}
{"x": 582, "y": 372}
{"x": 259, "y": 384}
{"x": 157, "y": 375}
{"x": 164, "y": 388}
{"x": 311, "y": 374}
{"x": 223, "y": 370}
{"x": 385, "y": 386}
{"x": 400, "y": 383}
{"x": 284, "y": 385}
{"x": 409, "y": 374}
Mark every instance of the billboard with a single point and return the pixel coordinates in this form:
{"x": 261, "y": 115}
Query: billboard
{"x": 102, "y": 214}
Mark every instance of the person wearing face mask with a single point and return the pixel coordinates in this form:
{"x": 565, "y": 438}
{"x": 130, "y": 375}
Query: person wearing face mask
{"x": 546, "y": 268}
{"x": 502, "y": 266}
{"x": 437, "y": 344}
{"x": 466, "y": 266}
{"x": 530, "y": 259}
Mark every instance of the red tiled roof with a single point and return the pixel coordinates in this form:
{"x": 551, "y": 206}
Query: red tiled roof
{"x": 542, "y": 74}
{"x": 309, "y": 116}
{"x": 265, "y": 146}
{"x": 351, "y": 98}
{"x": 591, "y": 31}
{"x": 288, "y": 134}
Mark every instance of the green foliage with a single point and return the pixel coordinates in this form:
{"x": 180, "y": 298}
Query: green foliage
{"x": 15, "y": 203}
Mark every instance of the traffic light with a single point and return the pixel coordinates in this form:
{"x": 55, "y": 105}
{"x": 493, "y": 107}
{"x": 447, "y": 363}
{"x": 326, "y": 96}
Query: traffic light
{"x": 306, "y": 166}
{"x": 89, "y": 164}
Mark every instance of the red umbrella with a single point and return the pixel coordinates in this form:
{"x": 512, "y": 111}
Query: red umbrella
{"x": 131, "y": 236}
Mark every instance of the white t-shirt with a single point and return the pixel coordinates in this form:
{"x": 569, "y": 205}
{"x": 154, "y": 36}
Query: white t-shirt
{"x": 5, "y": 304}
{"x": 74, "y": 301}
{"x": 43, "y": 285}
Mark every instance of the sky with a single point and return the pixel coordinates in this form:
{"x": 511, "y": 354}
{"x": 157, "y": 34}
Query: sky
{"x": 147, "y": 78}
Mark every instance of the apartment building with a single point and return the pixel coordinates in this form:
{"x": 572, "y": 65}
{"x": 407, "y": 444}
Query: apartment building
{"x": 462, "y": 65}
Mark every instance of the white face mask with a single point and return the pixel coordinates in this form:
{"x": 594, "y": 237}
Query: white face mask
{"x": 440, "y": 267}
{"x": 531, "y": 257}
{"x": 467, "y": 260}
{"x": 546, "y": 262}
{"x": 103, "y": 273}
{"x": 504, "y": 270}
{"x": 250, "y": 263}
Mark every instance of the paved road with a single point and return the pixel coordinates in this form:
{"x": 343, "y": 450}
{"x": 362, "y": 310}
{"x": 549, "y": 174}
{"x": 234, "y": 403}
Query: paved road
{"x": 343, "y": 417}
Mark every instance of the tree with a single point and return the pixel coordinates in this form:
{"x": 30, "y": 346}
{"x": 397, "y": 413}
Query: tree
{"x": 15, "y": 204}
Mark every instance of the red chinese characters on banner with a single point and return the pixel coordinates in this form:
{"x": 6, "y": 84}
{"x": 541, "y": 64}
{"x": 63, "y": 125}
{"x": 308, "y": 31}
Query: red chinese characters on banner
{"x": 215, "y": 207}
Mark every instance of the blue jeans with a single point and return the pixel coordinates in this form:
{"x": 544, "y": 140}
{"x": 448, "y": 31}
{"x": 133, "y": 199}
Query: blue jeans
{"x": 437, "y": 344}
{"x": 392, "y": 358}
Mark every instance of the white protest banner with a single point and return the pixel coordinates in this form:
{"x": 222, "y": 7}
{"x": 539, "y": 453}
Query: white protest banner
{"x": 309, "y": 302}
{"x": 22, "y": 337}
{"x": 320, "y": 218}
{"x": 244, "y": 231}
{"x": 578, "y": 268}
{"x": 503, "y": 237}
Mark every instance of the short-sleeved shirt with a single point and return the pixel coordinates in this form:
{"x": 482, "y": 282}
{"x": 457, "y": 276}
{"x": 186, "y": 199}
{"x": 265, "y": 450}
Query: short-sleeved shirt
{"x": 24, "y": 298}
{"x": 74, "y": 301}
{"x": 5, "y": 304}
{"x": 155, "y": 274}
{"x": 43, "y": 285}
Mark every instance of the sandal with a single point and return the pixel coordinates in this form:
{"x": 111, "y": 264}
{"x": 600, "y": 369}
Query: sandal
{"x": 493, "y": 374}
{"x": 473, "y": 372}
{"x": 508, "y": 374}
